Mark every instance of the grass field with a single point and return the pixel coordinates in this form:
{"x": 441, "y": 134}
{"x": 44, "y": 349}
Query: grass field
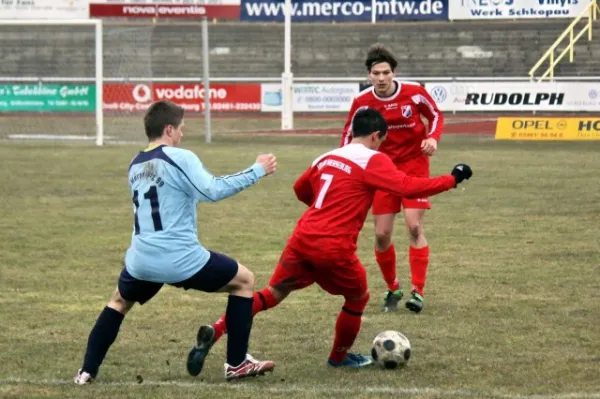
{"x": 129, "y": 128}
{"x": 512, "y": 301}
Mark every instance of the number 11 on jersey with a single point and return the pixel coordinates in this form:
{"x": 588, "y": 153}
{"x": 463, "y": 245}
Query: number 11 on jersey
{"x": 152, "y": 196}
{"x": 328, "y": 179}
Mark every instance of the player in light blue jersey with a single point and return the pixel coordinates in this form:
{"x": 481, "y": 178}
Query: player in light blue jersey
{"x": 166, "y": 184}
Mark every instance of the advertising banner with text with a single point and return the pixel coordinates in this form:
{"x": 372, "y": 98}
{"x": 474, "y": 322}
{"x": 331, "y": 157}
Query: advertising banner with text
{"x": 226, "y": 97}
{"x": 515, "y": 96}
{"x": 80, "y": 9}
{"x": 188, "y": 2}
{"x": 47, "y": 98}
{"x": 311, "y": 97}
{"x": 345, "y": 10}
{"x": 548, "y": 129}
{"x": 164, "y": 10}
{"x": 44, "y": 9}
{"x": 515, "y": 9}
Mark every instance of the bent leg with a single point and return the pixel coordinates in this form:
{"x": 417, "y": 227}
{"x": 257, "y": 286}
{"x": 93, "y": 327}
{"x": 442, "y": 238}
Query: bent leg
{"x": 418, "y": 251}
{"x": 347, "y": 327}
{"x": 238, "y": 313}
{"x": 346, "y": 277}
{"x": 385, "y": 252}
{"x": 106, "y": 328}
{"x": 385, "y": 208}
{"x": 289, "y": 275}
{"x": 223, "y": 274}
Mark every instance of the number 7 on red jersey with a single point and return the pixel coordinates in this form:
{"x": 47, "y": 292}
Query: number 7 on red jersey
{"x": 328, "y": 179}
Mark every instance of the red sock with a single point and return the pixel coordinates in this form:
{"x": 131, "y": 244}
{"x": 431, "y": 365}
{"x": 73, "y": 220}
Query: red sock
{"x": 263, "y": 300}
{"x": 387, "y": 264}
{"x": 220, "y": 327}
{"x": 347, "y": 328}
{"x": 419, "y": 259}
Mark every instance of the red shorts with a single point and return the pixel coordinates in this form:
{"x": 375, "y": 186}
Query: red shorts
{"x": 338, "y": 276}
{"x": 385, "y": 203}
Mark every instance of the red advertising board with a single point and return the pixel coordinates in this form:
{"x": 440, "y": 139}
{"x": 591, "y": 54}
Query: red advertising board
{"x": 165, "y": 10}
{"x": 224, "y": 97}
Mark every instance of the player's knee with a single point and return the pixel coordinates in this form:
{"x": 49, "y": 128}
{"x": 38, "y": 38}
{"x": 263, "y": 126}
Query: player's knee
{"x": 245, "y": 279}
{"x": 118, "y": 303}
{"x": 383, "y": 231}
{"x": 414, "y": 229}
{"x": 357, "y": 305}
{"x": 383, "y": 237}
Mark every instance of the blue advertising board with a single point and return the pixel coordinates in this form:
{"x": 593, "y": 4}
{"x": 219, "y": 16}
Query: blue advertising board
{"x": 345, "y": 11}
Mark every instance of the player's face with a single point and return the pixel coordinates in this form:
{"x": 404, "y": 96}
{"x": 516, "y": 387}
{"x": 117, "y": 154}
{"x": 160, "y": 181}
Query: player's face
{"x": 382, "y": 77}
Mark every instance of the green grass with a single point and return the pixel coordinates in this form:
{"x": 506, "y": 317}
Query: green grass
{"x": 512, "y": 300}
{"x": 130, "y": 128}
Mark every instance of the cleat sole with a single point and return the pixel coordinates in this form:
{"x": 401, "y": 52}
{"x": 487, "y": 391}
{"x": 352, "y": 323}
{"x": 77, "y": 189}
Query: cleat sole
{"x": 197, "y": 355}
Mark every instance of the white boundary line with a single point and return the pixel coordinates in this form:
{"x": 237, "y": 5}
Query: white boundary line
{"x": 316, "y": 389}
{"x": 67, "y": 138}
{"x": 42, "y": 136}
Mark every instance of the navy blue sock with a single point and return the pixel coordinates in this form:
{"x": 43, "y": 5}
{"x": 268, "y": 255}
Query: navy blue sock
{"x": 238, "y": 319}
{"x": 101, "y": 338}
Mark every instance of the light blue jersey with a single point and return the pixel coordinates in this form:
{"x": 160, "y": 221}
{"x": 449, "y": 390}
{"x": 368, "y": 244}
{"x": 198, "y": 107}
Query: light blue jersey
{"x": 166, "y": 184}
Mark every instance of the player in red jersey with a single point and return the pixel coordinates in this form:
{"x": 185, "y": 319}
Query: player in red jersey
{"x": 338, "y": 188}
{"x": 410, "y": 143}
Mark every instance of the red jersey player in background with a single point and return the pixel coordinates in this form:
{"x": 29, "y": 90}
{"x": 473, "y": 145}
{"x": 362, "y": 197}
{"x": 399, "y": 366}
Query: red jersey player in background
{"x": 410, "y": 143}
{"x": 338, "y": 189}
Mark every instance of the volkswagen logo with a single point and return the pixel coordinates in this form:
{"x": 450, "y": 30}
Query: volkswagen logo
{"x": 439, "y": 94}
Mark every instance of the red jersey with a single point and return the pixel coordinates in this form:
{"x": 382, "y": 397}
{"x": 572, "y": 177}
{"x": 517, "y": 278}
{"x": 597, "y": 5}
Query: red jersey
{"x": 402, "y": 111}
{"x": 339, "y": 187}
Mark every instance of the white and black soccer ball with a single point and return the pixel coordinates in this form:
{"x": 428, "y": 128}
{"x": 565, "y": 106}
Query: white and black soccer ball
{"x": 390, "y": 350}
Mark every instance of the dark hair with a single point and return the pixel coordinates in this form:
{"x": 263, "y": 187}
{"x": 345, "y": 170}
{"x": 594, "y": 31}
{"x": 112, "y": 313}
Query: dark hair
{"x": 159, "y": 116}
{"x": 367, "y": 121}
{"x": 378, "y": 54}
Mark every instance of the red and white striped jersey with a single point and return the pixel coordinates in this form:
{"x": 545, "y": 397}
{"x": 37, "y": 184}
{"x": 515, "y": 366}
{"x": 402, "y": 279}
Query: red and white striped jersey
{"x": 339, "y": 187}
{"x": 402, "y": 111}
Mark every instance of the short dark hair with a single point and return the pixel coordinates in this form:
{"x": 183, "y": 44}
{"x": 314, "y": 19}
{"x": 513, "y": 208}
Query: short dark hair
{"x": 159, "y": 116}
{"x": 378, "y": 54}
{"x": 367, "y": 121}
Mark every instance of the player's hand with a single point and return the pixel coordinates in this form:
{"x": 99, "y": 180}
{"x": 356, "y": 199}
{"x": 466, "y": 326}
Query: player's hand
{"x": 268, "y": 162}
{"x": 461, "y": 172}
{"x": 429, "y": 146}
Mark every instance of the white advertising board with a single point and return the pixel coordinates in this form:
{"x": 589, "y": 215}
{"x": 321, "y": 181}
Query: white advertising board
{"x": 311, "y": 97}
{"x": 44, "y": 9}
{"x": 515, "y": 96}
{"x": 515, "y": 9}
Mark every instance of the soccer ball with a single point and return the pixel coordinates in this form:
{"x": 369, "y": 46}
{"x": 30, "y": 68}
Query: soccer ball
{"x": 390, "y": 349}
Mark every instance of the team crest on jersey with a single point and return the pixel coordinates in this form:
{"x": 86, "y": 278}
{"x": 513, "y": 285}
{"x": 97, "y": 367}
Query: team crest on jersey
{"x": 406, "y": 111}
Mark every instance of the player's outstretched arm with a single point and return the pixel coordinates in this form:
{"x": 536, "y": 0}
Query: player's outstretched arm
{"x": 383, "y": 175}
{"x": 209, "y": 188}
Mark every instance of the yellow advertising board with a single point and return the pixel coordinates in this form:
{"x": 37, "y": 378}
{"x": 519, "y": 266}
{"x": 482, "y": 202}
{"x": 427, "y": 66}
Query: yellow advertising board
{"x": 548, "y": 128}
